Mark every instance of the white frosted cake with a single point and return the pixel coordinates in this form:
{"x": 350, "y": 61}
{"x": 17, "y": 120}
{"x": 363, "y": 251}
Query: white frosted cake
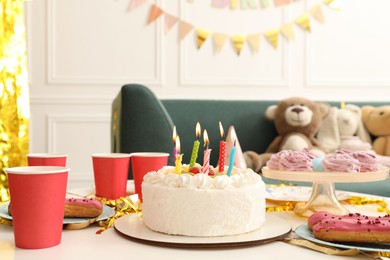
{"x": 202, "y": 205}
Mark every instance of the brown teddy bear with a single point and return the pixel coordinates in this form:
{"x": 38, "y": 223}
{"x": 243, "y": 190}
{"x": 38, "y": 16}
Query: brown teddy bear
{"x": 297, "y": 120}
{"x": 377, "y": 122}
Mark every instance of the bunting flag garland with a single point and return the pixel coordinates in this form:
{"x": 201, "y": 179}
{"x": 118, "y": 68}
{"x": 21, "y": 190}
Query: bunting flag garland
{"x": 304, "y": 21}
{"x": 155, "y": 12}
{"x": 136, "y": 3}
{"x": 170, "y": 21}
{"x": 184, "y": 29}
{"x": 219, "y": 41}
{"x": 334, "y": 4}
{"x": 287, "y": 30}
{"x": 238, "y": 40}
{"x": 273, "y": 37}
{"x": 254, "y": 41}
{"x": 202, "y": 36}
{"x": 316, "y": 12}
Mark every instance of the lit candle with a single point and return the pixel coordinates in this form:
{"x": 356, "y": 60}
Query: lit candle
{"x": 207, "y": 152}
{"x": 195, "y": 148}
{"x": 174, "y": 135}
{"x": 178, "y": 157}
{"x": 231, "y": 157}
{"x": 222, "y": 145}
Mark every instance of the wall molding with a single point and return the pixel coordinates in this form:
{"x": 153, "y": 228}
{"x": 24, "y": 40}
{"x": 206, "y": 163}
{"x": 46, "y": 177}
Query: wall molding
{"x": 54, "y": 78}
{"x": 54, "y": 119}
{"x": 55, "y": 100}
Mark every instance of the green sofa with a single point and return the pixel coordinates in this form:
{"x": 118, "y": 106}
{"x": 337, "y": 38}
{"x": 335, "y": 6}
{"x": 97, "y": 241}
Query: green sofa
{"x": 143, "y": 123}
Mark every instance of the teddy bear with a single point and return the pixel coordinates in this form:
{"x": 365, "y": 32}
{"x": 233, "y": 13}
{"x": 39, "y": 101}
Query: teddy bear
{"x": 377, "y": 122}
{"x": 343, "y": 129}
{"x": 297, "y": 121}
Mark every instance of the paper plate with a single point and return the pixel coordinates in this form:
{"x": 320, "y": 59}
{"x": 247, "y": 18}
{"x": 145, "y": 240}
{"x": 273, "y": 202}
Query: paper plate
{"x": 107, "y": 212}
{"x": 304, "y": 232}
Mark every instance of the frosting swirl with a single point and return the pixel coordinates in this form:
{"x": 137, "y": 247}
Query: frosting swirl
{"x": 165, "y": 177}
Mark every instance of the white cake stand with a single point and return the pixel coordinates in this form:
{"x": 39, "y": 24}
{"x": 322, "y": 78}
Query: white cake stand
{"x": 323, "y": 197}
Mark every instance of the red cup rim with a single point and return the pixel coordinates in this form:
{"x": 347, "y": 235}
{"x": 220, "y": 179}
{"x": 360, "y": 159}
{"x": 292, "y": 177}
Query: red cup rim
{"x": 36, "y": 170}
{"x": 46, "y": 155}
{"x": 149, "y": 154}
{"x": 111, "y": 155}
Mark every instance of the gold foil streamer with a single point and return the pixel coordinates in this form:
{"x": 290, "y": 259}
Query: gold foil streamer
{"x": 14, "y": 103}
{"x": 280, "y": 206}
{"x": 5, "y": 222}
{"x": 123, "y": 206}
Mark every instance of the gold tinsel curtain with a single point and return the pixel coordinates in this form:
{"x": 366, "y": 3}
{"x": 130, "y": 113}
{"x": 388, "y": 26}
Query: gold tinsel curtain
{"x": 14, "y": 103}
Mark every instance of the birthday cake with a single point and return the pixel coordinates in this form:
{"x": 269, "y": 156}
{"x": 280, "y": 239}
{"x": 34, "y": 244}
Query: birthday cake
{"x": 203, "y": 205}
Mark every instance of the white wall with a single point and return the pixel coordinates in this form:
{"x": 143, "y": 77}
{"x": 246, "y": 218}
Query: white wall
{"x": 82, "y": 51}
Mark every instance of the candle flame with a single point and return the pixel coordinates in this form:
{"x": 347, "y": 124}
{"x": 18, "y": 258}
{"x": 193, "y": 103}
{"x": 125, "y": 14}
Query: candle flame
{"x": 233, "y": 137}
{"x": 342, "y": 104}
{"x": 178, "y": 144}
{"x": 197, "y": 130}
{"x": 221, "y": 130}
{"x": 174, "y": 135}
{"x": 205, "y": 137}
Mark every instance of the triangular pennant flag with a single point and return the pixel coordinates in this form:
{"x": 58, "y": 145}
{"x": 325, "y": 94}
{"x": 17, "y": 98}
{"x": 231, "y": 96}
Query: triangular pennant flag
{"x": 254, "y": 41}
{"x": 273, "y": 37}
{"x": 184, "y": 29}
{"x": 304, "y": 21}
{"x": 334, "y": 4}
{"x": 155, "y": 12}
{"x": 239, "y": 161}
{"x": 170, "y": 21}
{"x": 288, "y": 31}
{"x": 316, "y": 12}
{"x": 135, "y": 3}
{"x": 202, "y": 36}
{"x": 219, "y": 41}
{"x": 238, "y": 42}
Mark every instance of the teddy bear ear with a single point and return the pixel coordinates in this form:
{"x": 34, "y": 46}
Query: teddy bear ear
{"x": 366, "y": 111}
{"x": 324, "y": 108}
{"x": 270, "y": 113}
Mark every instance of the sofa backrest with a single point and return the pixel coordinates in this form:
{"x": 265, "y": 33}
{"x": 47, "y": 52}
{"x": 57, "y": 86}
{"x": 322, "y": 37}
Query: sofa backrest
{"x": 143, "y": 123}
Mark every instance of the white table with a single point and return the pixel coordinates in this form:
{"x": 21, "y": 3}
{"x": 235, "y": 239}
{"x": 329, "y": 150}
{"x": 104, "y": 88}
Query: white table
{"x": 86, "y": 244}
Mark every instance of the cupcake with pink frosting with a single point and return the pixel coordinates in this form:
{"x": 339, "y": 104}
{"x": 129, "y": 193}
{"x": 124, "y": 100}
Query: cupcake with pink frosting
{"x": 291, "y": 161}
{"x": 368, "y": 161}
{"x": 341, "y": 161}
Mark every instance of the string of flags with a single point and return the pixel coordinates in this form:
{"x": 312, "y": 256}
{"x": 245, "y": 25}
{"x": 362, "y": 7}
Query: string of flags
{"x": 238, "y": 40}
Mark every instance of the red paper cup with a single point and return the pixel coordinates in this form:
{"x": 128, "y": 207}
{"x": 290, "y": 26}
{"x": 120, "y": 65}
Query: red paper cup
{"x": 145, "y": 162}
{"x": 110, "y": 174}
{"x": 38, "y": 201}
{"x": 46, "y": 159}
